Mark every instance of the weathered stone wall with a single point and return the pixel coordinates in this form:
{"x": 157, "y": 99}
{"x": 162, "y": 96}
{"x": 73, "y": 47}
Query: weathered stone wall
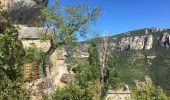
{"x": 54, "y": 73}
{"x": 118, "y": 97}
{"x": 119, "y": 94}
{"x": 41, "y": 44}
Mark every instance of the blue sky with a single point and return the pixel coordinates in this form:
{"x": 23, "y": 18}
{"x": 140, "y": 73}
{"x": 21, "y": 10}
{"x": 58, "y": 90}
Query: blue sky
{"x": 125, "y": 15}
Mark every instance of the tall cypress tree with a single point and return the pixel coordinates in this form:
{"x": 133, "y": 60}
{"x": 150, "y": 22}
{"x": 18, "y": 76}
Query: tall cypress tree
{"x": 94, "y": 60}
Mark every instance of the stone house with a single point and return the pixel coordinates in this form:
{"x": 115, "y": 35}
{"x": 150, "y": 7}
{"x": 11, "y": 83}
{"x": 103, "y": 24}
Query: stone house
{"x": 30, "y": 36}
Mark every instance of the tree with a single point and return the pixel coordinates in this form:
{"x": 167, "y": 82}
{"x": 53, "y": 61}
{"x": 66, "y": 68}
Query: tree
{"x": 94, "y": 60}
{"x": 89, "y": 70}
{"x": 11, "y": 61}
{"x": 68, "y": 23}
{"x": 70, "y": 92}
{"x": 112, "y": 77}
{"x": 103, "y": 60}
{"x": 147, "y": 91}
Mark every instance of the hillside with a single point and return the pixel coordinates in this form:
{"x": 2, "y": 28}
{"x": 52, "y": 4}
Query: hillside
{"x": 143, "y": 52}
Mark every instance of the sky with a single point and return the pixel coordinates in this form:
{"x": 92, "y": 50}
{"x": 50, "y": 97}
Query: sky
{"x": 125, "y": 15}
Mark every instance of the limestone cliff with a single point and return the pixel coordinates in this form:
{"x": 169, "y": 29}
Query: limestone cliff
{"x": 143, "y": 41}
{"x": 136, "y": 43}
{"x": 164, "y": 40}
{"x": 24, "y": 12}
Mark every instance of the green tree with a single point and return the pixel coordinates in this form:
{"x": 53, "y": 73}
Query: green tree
{"x": 94, "y": 60}
{"x": 68, "y": 22}
{"x": 147, "y": 91}
{"x": 112, "y": 77}
{"x": 89, "y": 70}
{"x": 11, "y": 62}
{"x": 70, "y": 92}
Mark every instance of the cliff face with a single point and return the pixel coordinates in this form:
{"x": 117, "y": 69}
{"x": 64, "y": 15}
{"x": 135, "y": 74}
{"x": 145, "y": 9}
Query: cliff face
{"x": 164, "y": 40}
{"x": 24, "y": 12}
{"x": 135, "y": 43}
{"x": 144, "y": 41}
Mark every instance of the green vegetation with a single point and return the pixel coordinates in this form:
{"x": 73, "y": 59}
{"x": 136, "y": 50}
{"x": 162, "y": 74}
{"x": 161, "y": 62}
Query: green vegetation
{"x": 11, "y": 62}
{"x": 147, "y": 91}
{"x": 86, "y": 85}
{"x": 134, "y": 64}
{"x": 71, "y": 92}
{"x": 69, "y": 23}
{"x": 33, "y": 54}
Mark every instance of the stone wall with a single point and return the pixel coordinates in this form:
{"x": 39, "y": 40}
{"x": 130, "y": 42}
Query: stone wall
{"x": 41, "y": 44}
{"x": 54, "y": 73}
{"x": 118, "y": 97}
{"x": 119, "y": 94}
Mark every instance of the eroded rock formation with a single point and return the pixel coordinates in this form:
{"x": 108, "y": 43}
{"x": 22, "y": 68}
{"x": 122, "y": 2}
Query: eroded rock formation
{"x": 135, "y": 43}
{"x": 164, "y": 40}
{"x": 24, "y": 12}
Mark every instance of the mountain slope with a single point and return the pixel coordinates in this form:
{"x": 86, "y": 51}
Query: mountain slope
{"x": 143, "y": 52}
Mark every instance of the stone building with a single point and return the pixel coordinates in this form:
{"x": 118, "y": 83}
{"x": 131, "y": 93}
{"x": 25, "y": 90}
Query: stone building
{"x": 31, "y": 36}
{"x": 120, "y": 94}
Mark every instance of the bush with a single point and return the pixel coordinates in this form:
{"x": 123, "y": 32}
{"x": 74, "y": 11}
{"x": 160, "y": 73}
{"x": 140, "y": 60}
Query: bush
{"x": 147, "y": 91}
{"x": 70, "y": 92}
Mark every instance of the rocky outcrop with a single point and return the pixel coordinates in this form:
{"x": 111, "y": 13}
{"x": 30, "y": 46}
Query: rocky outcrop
{"x": 135, "y": 43}
{"x": 149, "y": 42}
{"x": 24, "y": 12}
{"x": 154, "y": 29}
{"x": 164, "y": 40}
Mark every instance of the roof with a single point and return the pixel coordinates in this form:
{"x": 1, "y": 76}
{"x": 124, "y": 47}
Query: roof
{"x": 119, "y": 92}
{"x": 33, "y": 32}
{"x": 124, "y": 90}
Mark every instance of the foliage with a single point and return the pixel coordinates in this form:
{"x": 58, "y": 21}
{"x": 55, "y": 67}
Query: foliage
{"x": 83, "y": 74}
{"x": 90, "y": 69}
{"x": 132, "y": 66}
{"x": 70, "y": 92}
{"x": 112, "y": 77}
{"x": 93, "y": 90}
{"x": 13, "y": 90}
{"x": 88, "y": 72}
{"x": 147, "y": 91}
{"x": 68, "y": 23}
{"x": 94, "y": 60}
{"x": 11, "y": 53}
{"x": 33, "y": 53}
{"x": 11, "y": 62}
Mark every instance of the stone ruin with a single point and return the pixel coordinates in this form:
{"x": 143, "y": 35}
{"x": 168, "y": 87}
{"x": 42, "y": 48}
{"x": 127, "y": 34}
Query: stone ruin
{"x": 120, "y": 94}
